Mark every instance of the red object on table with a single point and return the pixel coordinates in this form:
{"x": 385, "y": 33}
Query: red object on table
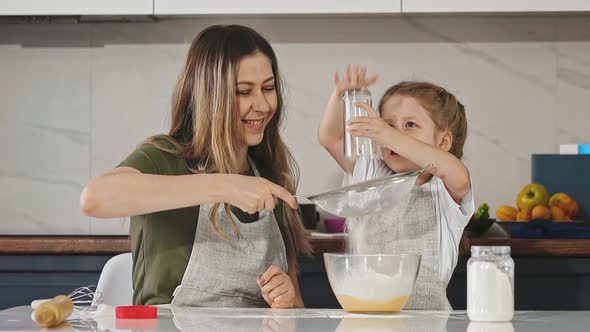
{"x": 136, "y": 312}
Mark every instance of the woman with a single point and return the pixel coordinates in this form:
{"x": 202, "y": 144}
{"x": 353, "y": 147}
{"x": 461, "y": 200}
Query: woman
{"x": 207, "y": 228}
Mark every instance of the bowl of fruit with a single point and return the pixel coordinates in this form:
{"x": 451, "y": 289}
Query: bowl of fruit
{"x": 534, "y": 201}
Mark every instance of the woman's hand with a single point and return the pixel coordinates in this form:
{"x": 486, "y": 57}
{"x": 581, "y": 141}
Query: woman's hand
{"x": 355, "y": 77}
{"x": 372, "y": 126}
{"x": 277, "y": 288}
{"x": 253, "y": 194}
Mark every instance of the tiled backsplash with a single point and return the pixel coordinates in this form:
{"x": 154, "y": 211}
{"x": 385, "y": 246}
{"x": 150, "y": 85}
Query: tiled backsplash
{"x": 75, "y": 99}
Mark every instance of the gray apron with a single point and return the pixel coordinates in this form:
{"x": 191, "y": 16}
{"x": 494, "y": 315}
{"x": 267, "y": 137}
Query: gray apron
{"x": 411, "y": 227}
{"x": 223, "y": 273}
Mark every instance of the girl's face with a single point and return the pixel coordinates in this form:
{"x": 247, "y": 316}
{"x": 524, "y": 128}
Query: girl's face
{"x": 256, "y": 96}
{"x": 408, "y": 116}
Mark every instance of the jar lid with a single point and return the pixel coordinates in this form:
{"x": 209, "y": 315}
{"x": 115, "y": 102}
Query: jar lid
{"x": 136, "y": 312}
{"x": 489, "y": 250}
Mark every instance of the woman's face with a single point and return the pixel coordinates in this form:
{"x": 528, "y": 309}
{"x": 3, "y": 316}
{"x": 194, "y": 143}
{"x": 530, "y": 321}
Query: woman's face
{"x": 256, "y": 96}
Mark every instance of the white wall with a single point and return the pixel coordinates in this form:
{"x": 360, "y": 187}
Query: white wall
{"x": 76, "y": 99}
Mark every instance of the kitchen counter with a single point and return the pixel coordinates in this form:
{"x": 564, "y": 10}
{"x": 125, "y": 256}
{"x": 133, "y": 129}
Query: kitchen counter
{"x": 108, "y": 245}
{"x": 40, "y": 266}
{"x": 111, "y": 245}
{"x": 291, "y": 320}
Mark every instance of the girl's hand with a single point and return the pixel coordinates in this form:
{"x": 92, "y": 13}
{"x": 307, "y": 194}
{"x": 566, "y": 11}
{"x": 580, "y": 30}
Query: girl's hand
{"x": 277, "y": 288}
{"x": 355, "y": 77}
{"x": 253, "y": 194}
{"x": 372, "y": 126}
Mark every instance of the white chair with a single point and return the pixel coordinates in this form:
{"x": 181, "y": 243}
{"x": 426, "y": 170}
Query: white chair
{"x": 115, "y": 281}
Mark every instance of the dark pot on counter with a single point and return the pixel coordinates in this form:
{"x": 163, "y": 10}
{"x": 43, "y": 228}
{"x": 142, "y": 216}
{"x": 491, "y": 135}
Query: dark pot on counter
{"x": 478, "y": 227}
{"x": 309, "y": 215}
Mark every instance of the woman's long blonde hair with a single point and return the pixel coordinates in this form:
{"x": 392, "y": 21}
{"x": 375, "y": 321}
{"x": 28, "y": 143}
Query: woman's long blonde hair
{"x": 206, "y": 128}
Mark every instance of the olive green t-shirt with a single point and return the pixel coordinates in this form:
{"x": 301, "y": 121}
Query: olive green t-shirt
{"x": 161, "y": 242}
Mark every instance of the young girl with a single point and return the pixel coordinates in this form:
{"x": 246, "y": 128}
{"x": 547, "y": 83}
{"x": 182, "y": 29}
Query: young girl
{"x": 206, "y": 226}
{"x": 418, "y": 124}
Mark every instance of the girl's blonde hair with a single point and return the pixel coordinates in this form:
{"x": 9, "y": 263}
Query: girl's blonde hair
{"x": 444, "y": 108}
{"x": 206, "y": 127}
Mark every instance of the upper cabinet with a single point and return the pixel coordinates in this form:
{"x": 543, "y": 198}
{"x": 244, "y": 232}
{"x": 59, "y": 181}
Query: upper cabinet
{"x": 493, "y": 6}
{"x": 76, "y": 7}
{"x": 281, "y": 7}
{"x": 211, "y": 7}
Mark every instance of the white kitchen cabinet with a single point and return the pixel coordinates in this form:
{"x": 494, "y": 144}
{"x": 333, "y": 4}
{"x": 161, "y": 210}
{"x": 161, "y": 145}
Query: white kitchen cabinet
{"x": 493, "y": 6}
{"x": 76, "y": 7}
{"x": 208, "y": 7}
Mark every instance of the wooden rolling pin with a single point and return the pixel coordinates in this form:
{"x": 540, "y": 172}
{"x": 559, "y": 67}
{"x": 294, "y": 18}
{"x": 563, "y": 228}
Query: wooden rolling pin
{"x": 53, "y": 312}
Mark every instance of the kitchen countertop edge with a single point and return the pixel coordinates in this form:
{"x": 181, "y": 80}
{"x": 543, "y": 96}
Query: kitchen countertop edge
{"x": 111, "y": 245}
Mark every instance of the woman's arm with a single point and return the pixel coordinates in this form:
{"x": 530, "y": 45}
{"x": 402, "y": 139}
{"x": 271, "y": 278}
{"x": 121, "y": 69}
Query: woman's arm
{"x": 126, "y": 191}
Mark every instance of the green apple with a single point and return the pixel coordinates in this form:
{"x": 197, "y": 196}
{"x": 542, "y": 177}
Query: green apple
{"x": 532, "y": 195}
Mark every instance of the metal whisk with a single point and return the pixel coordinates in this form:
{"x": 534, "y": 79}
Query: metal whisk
{"x": 86, "y": 300}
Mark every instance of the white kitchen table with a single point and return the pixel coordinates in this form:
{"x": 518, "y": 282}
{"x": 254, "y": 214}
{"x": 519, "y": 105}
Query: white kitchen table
{"x": 267, "y": 320}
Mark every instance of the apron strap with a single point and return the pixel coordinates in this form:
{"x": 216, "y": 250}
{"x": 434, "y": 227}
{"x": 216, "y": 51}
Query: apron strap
{"x": 253, "y": 165}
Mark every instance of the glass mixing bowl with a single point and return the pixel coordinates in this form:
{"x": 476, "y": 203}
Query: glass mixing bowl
{"x": 372, "y": 283}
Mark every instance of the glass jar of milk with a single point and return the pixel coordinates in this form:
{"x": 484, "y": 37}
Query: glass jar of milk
{"x": 490, "y": 284}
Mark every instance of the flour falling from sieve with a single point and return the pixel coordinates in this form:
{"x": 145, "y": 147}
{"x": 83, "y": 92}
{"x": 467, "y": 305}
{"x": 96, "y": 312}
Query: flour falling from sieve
{"x": 358, "y": 241}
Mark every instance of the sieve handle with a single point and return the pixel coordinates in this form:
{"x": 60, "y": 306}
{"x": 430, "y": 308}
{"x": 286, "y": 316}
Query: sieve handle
{"x": 303, "y": 197}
